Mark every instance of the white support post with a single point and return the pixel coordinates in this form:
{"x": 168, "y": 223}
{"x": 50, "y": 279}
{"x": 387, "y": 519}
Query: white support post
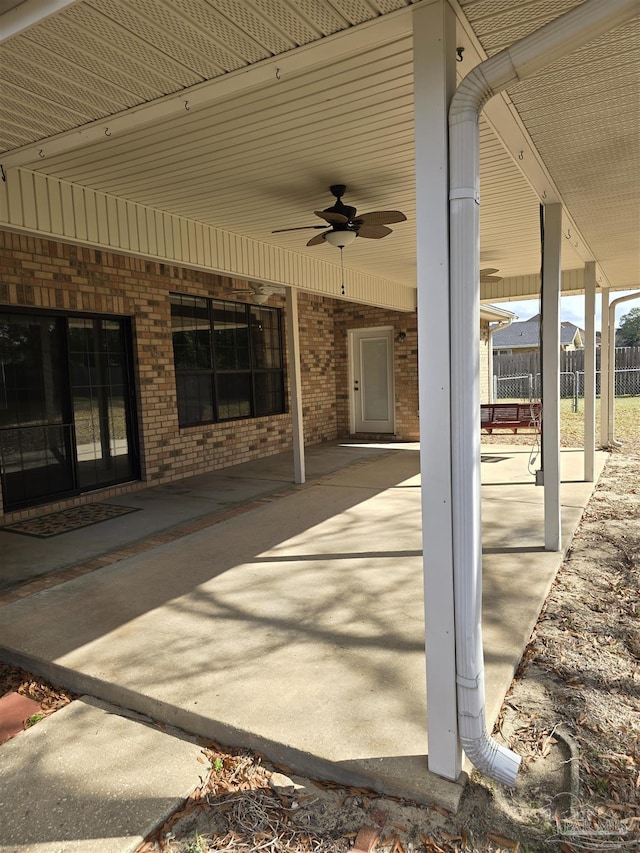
{"x": 589, "y": 371}
{"x": 611, "y": 384}
{"x": 604, "y": 368}
{"x": 297, "y": 422}
{"x": 551, "y": 375}
{"x": 434, "y": 85}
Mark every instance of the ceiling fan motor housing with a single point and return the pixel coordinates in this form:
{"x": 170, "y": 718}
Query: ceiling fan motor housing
{"x": 338, "y": 191}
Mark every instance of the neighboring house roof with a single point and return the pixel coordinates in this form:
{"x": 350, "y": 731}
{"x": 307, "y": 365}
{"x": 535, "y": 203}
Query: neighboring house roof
{"x": 527, "y": 334}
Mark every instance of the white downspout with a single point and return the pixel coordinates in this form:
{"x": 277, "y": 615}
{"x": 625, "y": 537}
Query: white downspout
{"x": 610, "y": 410}
{"x": 502, "y": 324}
{"x": 521, "y": 60}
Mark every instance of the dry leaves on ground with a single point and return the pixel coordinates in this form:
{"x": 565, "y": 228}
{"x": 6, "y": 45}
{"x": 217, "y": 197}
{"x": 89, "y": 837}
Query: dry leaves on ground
{"x": 16, "y": 680}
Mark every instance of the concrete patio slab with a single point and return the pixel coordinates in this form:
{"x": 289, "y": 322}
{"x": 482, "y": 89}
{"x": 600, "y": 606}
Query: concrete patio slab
{"x": 297, "y": 628}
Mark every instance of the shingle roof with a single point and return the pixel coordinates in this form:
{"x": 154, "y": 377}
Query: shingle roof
{"x": 527, "y": 334}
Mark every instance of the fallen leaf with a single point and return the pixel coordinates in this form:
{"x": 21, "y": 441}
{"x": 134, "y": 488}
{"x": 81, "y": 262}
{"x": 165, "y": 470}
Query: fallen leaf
{"x": 440, "y": 810}
{"x": 504, "y": 842}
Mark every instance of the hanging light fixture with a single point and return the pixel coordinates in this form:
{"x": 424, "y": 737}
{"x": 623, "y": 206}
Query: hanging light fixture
{"x": 340, "y": 239}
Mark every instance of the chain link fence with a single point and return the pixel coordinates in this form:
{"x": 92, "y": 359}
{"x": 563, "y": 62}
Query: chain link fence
{"x": 528, "y": 386}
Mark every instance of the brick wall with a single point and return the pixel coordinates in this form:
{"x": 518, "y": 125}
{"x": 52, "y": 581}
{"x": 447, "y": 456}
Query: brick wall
{"x": 37, "y": 273}
{"x": 44, "y": 274}
{"x": 318, "y": 367}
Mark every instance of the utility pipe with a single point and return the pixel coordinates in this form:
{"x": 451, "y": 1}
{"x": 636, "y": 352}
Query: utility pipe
{"x": 610, "y": 410}
{"x": 501, "y": 324}
{"x": 523, "y": 59}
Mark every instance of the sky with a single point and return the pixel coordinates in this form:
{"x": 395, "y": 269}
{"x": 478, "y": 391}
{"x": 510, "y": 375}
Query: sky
{"x": 572, "y": 308}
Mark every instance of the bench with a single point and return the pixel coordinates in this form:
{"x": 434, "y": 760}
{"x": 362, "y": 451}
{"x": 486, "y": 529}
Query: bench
{"x": 511, "y": 416}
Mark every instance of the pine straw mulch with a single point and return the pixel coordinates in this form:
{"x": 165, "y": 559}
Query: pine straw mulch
{"x": 245, "y": 805}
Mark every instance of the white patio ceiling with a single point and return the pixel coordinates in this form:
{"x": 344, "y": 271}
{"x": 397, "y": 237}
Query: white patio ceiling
{"x": 241, "y": 114}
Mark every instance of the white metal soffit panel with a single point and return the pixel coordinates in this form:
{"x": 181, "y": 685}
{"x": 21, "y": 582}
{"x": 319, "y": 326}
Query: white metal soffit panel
{"x": 264, "y": 159}
{"x": 105, "y": 56}
{"x": 583, "y": 115}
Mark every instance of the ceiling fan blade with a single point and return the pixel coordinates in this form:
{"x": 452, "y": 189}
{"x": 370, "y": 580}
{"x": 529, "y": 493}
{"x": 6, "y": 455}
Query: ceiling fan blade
{"x": 487, "y": 271}
{"x": 319, "y": 238}
{"x": 373, "y": 232}
{"x": 490, "y": 278}
{"x": 380, "y": 217}
{"x": 300, "y": 228}
{"x": 330, "y": 216}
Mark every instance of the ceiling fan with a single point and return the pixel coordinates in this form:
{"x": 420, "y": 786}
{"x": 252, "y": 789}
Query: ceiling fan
{"x": 259, "y": 293}
{"x": 346, "y": 225}
{"x": 487, "y": 275}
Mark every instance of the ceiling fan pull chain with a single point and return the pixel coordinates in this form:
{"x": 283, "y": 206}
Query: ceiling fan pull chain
{"x": 342, "y": 288}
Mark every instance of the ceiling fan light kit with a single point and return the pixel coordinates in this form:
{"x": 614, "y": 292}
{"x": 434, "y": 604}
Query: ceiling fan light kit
{"x": 340, "y": 239}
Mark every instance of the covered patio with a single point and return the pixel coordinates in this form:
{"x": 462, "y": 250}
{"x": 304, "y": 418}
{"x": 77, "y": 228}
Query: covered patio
{"x": 159, "y": 153}
{"x": 294, "y": 627}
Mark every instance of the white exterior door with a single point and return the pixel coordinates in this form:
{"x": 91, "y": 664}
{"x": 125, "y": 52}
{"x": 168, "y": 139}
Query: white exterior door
{"x": 372, "y": 395}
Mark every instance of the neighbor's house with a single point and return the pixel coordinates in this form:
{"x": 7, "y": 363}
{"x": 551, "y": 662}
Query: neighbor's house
{"x": 525, "y": 337}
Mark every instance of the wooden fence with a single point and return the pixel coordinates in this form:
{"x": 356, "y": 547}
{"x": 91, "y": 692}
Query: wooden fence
{"x": 519, "y": 363}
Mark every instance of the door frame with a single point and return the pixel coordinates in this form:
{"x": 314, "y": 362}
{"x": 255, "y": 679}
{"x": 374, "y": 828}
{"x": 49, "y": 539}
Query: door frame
{"x": 388, "y": 331}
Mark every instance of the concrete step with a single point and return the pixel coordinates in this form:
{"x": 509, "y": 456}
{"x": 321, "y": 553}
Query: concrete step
{"x": 92, "y": 777}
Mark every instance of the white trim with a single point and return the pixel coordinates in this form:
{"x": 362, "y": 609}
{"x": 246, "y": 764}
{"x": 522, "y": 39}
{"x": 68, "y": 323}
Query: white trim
{"x": 58, "y": 210}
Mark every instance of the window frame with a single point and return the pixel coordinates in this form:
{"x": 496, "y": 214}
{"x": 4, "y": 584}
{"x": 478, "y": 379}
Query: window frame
{"x": 215, "y": 373}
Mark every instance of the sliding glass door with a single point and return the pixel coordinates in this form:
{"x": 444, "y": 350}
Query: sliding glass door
{"x": 66, "y": 413}
{"x": 99, "y": 396}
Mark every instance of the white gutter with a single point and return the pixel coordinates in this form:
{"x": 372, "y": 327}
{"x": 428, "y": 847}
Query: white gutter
{"x": 521, "y": 60}
{"x": 611, "y": 366}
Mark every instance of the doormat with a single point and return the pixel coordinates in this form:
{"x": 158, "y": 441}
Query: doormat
{"x": 68, "y": 519}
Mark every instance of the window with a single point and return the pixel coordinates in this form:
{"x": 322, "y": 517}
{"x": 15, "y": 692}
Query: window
{"x": 228, "y": 359}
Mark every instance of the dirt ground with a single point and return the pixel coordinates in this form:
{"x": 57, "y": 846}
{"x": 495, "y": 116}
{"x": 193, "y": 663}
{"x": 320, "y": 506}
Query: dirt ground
{"x": 573, "y": 713}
